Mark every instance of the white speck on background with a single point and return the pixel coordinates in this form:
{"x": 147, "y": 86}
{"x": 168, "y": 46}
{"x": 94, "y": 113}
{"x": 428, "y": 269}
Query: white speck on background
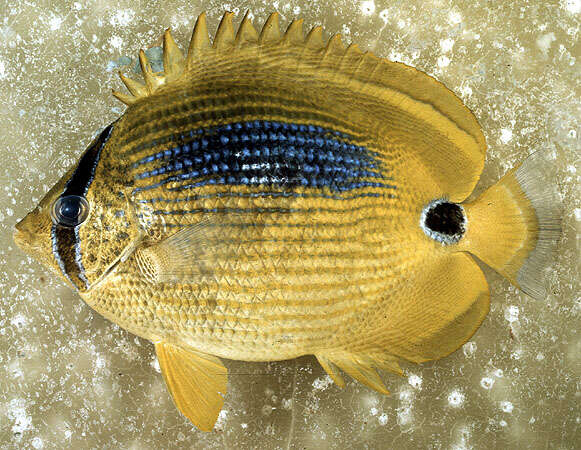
{"x": 382, "y": 419}
{"x": 469, "y": 348}
{"x": 122, "y": 17}
{"x": 456, "y": 398}
{"x": 37, "y": 443}
{"x": 578, "y": 214}
{"x": 505, "y": 135}
{"x": 511, "y": 313}
{"x": 320, "y": 384}
{"x": 443, "y": 61}
{"x": 55, "y": 23}
{"x": 446, "y": 44}
{"x": 373, "y": 411}
{"x": 487, "y": 382}
{"x": 116, "y": 41}
{"x": 507, "y": 407}
{"x": 17, "y": 412}
{"x": 545, "y": 41}
{"x": 572, "y": 6}
{"x": 384, "y": 15}
{"x": 454, "y": 17}
{"x": 155, "y": 365}
{"x": 367, "y": 7}
{"x": 415, "y": 381}
{"x": 498, "y": 373}
{"x": 2, "y": 70}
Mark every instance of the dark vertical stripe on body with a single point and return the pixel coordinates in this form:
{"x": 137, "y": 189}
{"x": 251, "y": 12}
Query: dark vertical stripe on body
{"x": 66, "y": 244}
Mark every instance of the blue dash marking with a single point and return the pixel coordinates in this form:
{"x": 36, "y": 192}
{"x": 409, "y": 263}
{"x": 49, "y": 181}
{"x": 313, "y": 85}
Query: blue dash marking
{"x": 265, "y": 153}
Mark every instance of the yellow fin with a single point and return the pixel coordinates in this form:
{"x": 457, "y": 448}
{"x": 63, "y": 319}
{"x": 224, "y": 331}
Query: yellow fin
{"x": 196, "y": 381}
{"x": 246, "y": 32}
{"x": 331, "y": 369}
{"x": 173, "y": 59}
{"x": 125, "y": 98}
{"x": 199, "y": 42}
{"x": 449, "y": 301}
{"x": 270, "y": 33}
{"x": 359, "y": 366}
{"x": 152, "y": 81}
{"x": 314, "y": 39}
{"x": 136, "y": 88}
{"x": 225, "y": 32}
{"x": 515, "y": 224}
{"x": 413, "y": 111}
{"x": 294, "y": 33}
{"x": 190, "y": 254}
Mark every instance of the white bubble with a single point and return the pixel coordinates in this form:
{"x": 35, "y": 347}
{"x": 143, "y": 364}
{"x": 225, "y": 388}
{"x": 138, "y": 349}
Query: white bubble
{"x": 367, "y": 7}
{"x": 384, "y": 15}
{"x": 373, "y": 411}
{"x": 456, "y": 398}
{"x": 454, "y": 17}
{"x": 55, "y": 23}
{"x": 415, "y": 381}
{"x": 469, "y": 348}
{"x": 446, "y": 45}
{"x": 507, "y": 407}
{"x": 382, "y": 419}
{"x": 115, "y": 41}
{"x": 37, "y": 443}
{"x": 511, "y": 313}
{"x": 443, "y": 61}
{"x": 572, "y": 6}
{"x": 505, "y": 135}
{"x": 320, "y": 384}
{"x": 487, "y": 382}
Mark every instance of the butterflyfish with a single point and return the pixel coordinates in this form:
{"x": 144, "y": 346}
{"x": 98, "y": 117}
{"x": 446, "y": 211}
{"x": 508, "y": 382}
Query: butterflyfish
{"x": 271, "y": 195}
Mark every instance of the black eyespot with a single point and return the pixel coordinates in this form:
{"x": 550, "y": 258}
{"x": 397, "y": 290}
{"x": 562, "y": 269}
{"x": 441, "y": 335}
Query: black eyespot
{"x": 444, "y": 221}
{"x": 70, "y": 210}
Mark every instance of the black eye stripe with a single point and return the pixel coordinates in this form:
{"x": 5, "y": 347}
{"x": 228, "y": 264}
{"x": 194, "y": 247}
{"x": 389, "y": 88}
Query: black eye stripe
{"x": 66, "y": 244}
{"x": 84, "y": 174}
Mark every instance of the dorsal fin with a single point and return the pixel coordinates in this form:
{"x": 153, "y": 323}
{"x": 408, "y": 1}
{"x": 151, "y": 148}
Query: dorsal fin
{"x": 173, "y": 59}
{"x": 294, "y": 33}
{"x": 402, "y": 92}
{"x": 314, "y": 39}
{"x": 270, "y": 33}
{"x": 246, "y": 32}
{"x": 225, "y": 32}
{"x": 199, "y": 42}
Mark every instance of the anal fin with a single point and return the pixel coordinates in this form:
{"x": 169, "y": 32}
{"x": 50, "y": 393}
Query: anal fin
{"x": 196, "y": 381}
{"x": 359, "y": 366}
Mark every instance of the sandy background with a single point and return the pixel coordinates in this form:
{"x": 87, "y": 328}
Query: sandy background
{"x": 70, "y": 379}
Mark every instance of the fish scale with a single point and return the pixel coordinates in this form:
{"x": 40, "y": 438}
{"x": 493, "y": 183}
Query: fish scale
{"x": 269, "y": 195}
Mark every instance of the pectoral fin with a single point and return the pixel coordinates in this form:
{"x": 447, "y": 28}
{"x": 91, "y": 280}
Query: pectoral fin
{"x": 188, "y": 255}
{"x": 359, "y": 366}
{"x": 196, "y": 381}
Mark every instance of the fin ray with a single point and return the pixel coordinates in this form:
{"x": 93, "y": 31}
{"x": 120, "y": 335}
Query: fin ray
{"x": 196, "y": 381}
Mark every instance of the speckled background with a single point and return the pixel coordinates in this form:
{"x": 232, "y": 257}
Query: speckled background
{"x": 70, "y": 379}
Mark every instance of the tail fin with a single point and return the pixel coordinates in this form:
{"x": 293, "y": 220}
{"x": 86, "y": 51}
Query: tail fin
{"x": 514, "y": 225}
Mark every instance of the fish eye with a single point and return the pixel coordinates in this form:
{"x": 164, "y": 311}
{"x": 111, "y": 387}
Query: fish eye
{"x": 70, "y": 210}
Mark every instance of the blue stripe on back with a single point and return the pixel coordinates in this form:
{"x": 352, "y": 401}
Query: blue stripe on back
{"x": 264, "y": 153}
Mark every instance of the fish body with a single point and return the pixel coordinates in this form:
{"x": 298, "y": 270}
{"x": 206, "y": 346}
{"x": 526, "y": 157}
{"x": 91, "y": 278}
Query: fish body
{"x": 270, "y": 196}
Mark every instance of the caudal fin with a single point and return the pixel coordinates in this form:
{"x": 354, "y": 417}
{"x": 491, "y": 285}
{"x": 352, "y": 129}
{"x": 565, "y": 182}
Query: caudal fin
{"x": 514, "y": 225}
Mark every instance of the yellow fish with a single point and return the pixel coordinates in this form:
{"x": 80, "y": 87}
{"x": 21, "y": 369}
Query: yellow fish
{"x": 270, "y": 195}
